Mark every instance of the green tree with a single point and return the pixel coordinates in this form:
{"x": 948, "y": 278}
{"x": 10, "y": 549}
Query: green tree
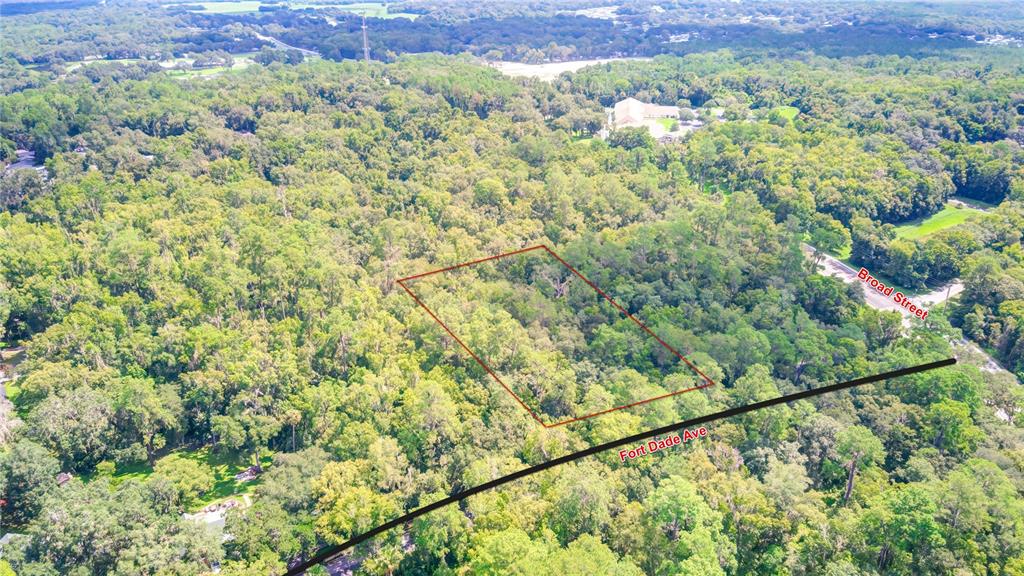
{"x": 28, "y": 473}
{"x": 510, "y": 552}
{"x": 123, "y": 531}
{"x": 246, "y": 431}
{"x": 949, "y": 426}
{"x": 147, "y": 412}
{"x": 191, "y": 479}
{"x": 898, "y": 531}
{"x": 75, "y": 425}
{"x": 857, "y": 448}
{"x": 264, "y": 528}
{"x": 684, "y": 535}
{"x": 631, "y": 138}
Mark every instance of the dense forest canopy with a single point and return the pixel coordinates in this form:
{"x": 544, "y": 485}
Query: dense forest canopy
{"x": 209, "y": 363}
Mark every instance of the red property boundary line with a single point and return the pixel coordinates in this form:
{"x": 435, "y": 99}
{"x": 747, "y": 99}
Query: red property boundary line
{"x": 402, "y": 281}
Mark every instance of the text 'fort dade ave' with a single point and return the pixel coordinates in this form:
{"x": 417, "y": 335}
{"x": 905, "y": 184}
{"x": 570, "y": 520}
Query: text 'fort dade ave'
{"x": 653, "y": 446}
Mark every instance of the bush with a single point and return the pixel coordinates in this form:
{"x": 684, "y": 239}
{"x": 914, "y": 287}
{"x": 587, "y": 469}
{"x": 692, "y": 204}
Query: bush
{"x": 190, "y": 478}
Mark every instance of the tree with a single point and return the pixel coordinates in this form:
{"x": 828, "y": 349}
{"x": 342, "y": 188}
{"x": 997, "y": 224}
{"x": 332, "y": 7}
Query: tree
{"x": 289, "y": 481}
{"x": 346, "y": 506}
{"x": 489, "y": 192}
{"x": 509, "y": 552}
{"x": 263, "y": 528}
{"x": 897, "y": 531}
{"x": 870, "y": 243}
{"x": 9, "y": 421}
{"x": 830, "y": 235}
{"x": 756, "y": 385}
{"x": 75, "y": 425}
{"x": 28, "y": 473}
{"x": 147, "y": 412}
{"x": 582, "y": 504}
{"x": 191, "y": 479}
{"x": 857, "y": 448}
{"x": 17, "y": 186}
{"x": 586, "y": 556}
{"x": 246, "y": 431}
{"x": 631, "y": 138}
{"x": 684, "y": 534}
{"x": 354, "y": 512}
{"x": 949, "y": 425}
{"x": 103, "y": 531}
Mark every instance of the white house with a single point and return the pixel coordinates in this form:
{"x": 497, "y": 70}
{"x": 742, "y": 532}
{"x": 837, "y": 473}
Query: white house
{"x": 632, "y": 112}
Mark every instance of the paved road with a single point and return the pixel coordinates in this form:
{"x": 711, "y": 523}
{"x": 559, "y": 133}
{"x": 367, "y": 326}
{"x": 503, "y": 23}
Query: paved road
{"x": 281, "y": 44}
{"x": 831, "y": 266}
{"x": 26, "y": 159}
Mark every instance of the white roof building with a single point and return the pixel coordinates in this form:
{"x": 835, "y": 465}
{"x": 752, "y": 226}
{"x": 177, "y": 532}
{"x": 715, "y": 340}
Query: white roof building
{"x": 632, "y": 112}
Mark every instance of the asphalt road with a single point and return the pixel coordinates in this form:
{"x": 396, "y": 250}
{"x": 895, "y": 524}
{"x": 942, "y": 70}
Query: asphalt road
{"x": 831, "y": 266}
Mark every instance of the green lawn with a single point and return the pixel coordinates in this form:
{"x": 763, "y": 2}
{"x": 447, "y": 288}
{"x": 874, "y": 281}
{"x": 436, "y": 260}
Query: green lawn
{"x": 12, "y": 395}
{"x": 241, "y": 62}
{"x": 667, "y": 123}
{"x": 947, "y": 218}
{"x": 199, "y": 72}
{"x": 787, "y": 112}
{"x": 222, "y": 466}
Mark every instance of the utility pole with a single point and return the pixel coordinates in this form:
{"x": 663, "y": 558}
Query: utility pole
{"x": 366, "y": 43}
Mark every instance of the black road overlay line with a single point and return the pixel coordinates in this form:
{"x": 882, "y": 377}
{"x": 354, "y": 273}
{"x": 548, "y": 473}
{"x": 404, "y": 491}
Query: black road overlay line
{"x": 330, "y": 553}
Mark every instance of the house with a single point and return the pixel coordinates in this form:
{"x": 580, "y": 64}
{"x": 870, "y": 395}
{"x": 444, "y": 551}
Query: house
{"x": 664, "y": 123}
{"x": 632, "y": 112}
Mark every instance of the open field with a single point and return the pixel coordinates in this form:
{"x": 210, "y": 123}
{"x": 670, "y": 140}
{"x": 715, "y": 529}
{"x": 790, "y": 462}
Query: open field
{"x": 240, "y": 64}
{"x": 550, "y": 70}
{"x": 222, "y": 466}
{"x": 241, "y": 61}
{"x": 946, "y": 218}
{"x": 787, "y": 112}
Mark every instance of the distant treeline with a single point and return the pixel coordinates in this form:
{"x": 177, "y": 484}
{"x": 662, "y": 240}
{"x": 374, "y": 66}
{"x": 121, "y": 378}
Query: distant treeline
{"x": 561, "y": 37}
{"x": 20, "y": 8}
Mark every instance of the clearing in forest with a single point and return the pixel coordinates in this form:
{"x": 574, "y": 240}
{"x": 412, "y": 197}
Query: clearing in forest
{"x": 559, "y": 345}
{"x": 950, "y": 215}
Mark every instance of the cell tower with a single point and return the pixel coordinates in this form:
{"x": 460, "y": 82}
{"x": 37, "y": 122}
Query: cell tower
{"x": 366, "y": 43}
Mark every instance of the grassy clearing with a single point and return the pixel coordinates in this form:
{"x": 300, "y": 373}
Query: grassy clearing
{"x": 222, "y": 466}
{"x": 787, "y": 112}
{"x": 947, "y": 218}
{"x": 668, "y": 123}
{"x": 12, "y": 390}
{"x": 200, "y": 72}
{"x": 241, "y": 62}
